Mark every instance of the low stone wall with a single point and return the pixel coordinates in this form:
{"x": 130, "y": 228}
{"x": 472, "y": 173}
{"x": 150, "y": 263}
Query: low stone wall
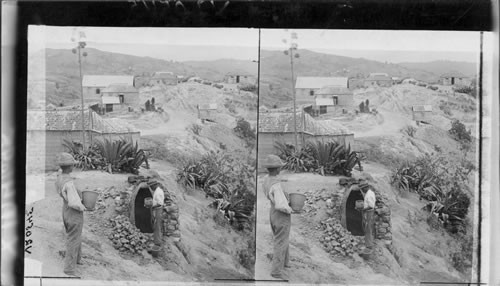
{"x": 171, "y": 217}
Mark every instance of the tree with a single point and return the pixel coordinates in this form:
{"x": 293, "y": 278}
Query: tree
{"x": 367, "y": 108}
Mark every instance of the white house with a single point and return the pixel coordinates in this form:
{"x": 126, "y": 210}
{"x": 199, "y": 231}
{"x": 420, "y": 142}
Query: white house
{"x": 94, "y": 84}
{"x": 306, "y": 87}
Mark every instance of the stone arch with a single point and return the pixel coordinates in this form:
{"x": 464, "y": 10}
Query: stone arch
{"x": 350, "y": 218}
{"x": 139, "y": 215}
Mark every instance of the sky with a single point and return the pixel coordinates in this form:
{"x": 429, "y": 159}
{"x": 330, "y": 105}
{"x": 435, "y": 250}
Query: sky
{"x": 201, "y": 44}
{"x": 179, "y": 44}
{"x": 388, "y": 45}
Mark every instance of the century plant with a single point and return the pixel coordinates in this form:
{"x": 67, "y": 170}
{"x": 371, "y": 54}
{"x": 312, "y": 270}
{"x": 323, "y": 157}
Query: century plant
{"x": 121, "y": 155}
{"x": 87, "y": 159}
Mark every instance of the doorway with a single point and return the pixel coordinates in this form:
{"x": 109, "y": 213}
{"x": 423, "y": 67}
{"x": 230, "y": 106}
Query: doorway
{"x": 121, "y": 97}
{"x": 354, "y": 218}
{"x": 237, "y": 79}
{"x": 142, "y": 214}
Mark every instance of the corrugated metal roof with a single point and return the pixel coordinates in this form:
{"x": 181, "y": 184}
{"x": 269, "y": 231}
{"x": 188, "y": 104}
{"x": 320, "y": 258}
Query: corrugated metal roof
{"x": 71, "y": 120}
{"x": 333, "y": 90}
{"x": 379, "y": 76}
{"x": 119, "y": 88}
{"x": 422, "y": 108}
{"x": 208, "y": 106}
{"x": 324, "y": 101}
{"x": 319, "y": 82}
{"x": 282, "y": 122}
{"x": 110, "y": 100}
{"x": 453, "y": 74}
{"x": 107, "y": 80}
{"x": 164, "y": 74}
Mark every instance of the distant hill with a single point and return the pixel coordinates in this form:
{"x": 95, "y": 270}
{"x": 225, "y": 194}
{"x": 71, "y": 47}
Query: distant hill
{"x": 441, "y": 67}
{"x": 275, "y": 71}
{"x": 61, "y": 76}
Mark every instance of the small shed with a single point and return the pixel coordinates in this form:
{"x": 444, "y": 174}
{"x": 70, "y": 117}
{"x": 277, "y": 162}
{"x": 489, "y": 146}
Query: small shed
{"x": 454, "y": 78}
{"x": 116, "y": 97}
{"x": 163, "y": 78}
{"x": 239, "y": 77}
{"x": 378, "y": 79}
{"x": 421, "y": 113}
{"x": 207, "y": 111}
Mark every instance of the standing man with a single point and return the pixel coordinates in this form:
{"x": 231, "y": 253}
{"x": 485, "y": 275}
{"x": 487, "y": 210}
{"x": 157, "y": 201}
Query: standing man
{"x": 279, "y": 215}
{"x": 157, "y": 209}
{"x": 72, "y": 213}
{"x": 368, "y": 211}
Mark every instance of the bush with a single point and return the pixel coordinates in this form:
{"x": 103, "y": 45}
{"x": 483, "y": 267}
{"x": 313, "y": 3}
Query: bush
{"x": 459, "y": 132}
{"x": 431, "y": 87}
{"x": 228, "y": 181}
{"x": 89, "y": 159}
{"x": 319, "y": 157}
{"x": 245, "y": 132}
{"x": 121, "y": 155}
{"x": 195, "y": 128}
{"x": 443, "y": 185}
{"x": 248, "y": 87}
{"x": 409, "y": 130}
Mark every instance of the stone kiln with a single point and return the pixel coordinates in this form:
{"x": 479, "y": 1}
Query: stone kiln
{"x": 140, "y": 216}
{"x": 343, "y": 203}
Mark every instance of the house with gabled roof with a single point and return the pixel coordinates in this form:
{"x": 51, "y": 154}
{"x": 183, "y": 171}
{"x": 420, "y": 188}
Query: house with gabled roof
{"x": 94, "y": 84}
{"x": 307, "y": 86}
{"x": 279, "y": 127}
{"x": 47, "y": 129}
{"x": 454, "y": 78}
{"x": 118, "y": 96}
{"x": 163, "y": 78}
{"x": 240, "y": 77}
{"x": 378, "y": 79}
{"x": 333, "y": 100}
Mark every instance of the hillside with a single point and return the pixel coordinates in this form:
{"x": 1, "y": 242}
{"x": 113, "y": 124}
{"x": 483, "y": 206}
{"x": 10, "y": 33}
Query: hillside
{"x": 275, "y": 71}
{"x": 61, "y": 75}
{"x": 441, "y": 67}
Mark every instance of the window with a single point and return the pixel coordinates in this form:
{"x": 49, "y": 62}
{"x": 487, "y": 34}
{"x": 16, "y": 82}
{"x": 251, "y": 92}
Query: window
{"x": 322, "y": 109}
{"x": 97, "y": 91}
{"x": 311, "y": 92}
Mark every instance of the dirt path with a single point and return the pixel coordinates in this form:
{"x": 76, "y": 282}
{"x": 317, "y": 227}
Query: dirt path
{"x": 391, "y": 124}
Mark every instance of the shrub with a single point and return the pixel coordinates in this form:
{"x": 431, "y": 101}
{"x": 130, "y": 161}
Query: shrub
{"x": 431, "y": 87}
{"x": 121, "y": 155}
{"x": 442, "y": 184}
{"x": 245, "y": 132}
{"x": 195, "y": 128}
{"x": 248, "y": 87}
{"x": 317, "y": 156}
{"x": 225, "y": 179}
{"x": 409, "y": 130}
{"x": 459, "y": 132}
{"x": 89, "y": 159}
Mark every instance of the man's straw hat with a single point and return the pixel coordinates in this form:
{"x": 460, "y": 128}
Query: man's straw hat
{"x": 272, "y": 161}
{"x": 65, "y": 159}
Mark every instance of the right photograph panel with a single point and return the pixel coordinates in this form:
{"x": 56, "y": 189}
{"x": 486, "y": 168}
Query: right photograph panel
{"x": 368, "y": 156}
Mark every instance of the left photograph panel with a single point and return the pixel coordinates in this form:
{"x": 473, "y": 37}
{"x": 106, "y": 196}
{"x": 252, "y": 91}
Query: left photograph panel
{"x": 140, "y": 154}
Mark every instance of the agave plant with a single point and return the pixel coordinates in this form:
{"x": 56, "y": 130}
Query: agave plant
{"x": 89, "y": 159}
{"x": 332, "y": 157}
{"x": 121, "y": 155}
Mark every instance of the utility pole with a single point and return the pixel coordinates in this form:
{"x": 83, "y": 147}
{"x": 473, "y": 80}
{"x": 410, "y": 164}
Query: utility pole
{"x": 293, "y": 46}
{"x": 294, "y": 102}
{"x": 81, "y": 45}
